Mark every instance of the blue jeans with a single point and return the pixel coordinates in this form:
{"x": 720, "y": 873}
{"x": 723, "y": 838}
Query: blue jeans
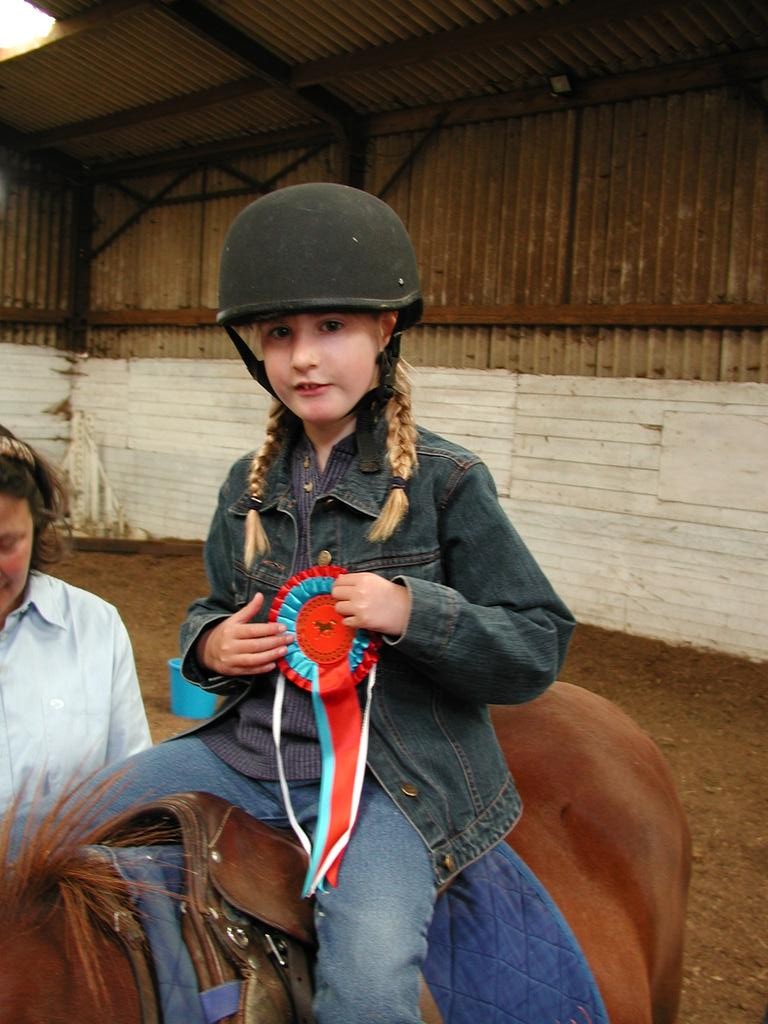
{"x": 372, "y": 928}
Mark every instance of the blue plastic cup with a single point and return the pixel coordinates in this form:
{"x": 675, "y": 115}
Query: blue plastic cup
{"x": 188, "y": 700}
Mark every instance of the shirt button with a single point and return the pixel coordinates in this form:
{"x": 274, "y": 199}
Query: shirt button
{"x": 57, "y": 703}
{"x": 324, "y": 558}
{"x": 408, "y": 789}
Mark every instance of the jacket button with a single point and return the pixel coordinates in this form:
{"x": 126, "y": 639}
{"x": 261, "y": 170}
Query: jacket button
{"x": 448, "y": 862}
{"x": 408, "y": 789}
{"x": 324, "y": 558}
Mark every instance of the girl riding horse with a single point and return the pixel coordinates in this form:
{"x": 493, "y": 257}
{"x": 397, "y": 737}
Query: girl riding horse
{"x": 354, "y": 544}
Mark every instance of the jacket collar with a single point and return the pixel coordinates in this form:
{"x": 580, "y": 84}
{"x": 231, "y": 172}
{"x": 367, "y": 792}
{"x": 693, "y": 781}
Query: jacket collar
{"x": 365, "y": 491}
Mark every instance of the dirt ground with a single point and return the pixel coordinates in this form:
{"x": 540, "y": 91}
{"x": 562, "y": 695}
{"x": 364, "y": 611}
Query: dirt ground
{"x": 708, "y": 713}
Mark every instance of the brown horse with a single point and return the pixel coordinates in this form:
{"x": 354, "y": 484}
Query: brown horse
{"x": 603, "y": 829}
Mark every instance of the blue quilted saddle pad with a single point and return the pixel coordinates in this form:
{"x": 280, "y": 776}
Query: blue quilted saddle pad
{"x": 500, "y": 951}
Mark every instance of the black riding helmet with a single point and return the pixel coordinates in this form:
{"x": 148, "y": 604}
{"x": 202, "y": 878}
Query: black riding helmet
{"x": 313, "y": 247}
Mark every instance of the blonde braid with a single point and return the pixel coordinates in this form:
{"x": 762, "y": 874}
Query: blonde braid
{"x": 256, "y": 541}
{"x": 401, "y": 452}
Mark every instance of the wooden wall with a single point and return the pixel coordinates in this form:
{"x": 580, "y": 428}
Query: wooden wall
{"x": 35, "y": 390}
{"x": 645, "y": 501}
{"x": 617, "y": 240}
{"x": 36, "y": 241}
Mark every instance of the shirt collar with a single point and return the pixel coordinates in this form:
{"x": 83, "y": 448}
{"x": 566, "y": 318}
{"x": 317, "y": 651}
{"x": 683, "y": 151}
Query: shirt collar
{"x": 303, "y": 446}
{"x": 367, "y": 491}
{"x": 42, "y": 595}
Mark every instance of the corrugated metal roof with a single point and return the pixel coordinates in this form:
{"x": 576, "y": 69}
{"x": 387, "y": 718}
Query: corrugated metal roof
{"x": 248, "y": 68}
{"x": 300, "y": 31}
{"x": 140, "y": 58}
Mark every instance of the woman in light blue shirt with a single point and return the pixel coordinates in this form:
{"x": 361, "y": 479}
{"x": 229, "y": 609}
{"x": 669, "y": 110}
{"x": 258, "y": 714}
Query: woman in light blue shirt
{"x": 70, "y": 701}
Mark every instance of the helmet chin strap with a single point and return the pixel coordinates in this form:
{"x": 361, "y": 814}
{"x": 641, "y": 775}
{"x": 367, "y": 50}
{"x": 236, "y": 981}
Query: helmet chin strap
{"x": 367, "y": 415}
{"x": 368, "y": 407}
{"x": 254, "y": 366}
{"x": 366, "y": 410}
{"x": 388, "y": 358}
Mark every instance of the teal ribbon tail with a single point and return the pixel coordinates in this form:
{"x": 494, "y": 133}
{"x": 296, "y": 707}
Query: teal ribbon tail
{"x": 327, "y": 776}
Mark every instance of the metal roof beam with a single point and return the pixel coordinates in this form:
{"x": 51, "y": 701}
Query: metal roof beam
{"x": 512, "y": 30}
{"x": 140, "y": 115}
{"x": 267, "y": 142}
{"x": 273, "y": 69}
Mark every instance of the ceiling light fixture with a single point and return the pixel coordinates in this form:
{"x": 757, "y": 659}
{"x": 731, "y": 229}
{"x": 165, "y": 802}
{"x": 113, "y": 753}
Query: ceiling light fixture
{"x": 560, "y": 84}
{"x": 22, "y": 24}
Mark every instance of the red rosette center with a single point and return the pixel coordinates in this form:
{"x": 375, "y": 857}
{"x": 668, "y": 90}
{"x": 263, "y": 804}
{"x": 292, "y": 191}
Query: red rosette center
{"x": 321, "y": 632}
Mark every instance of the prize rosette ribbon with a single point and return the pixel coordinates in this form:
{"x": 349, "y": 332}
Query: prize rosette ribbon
{"x": 328, "y": 659}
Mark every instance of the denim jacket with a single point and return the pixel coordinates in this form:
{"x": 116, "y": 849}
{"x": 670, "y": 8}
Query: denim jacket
{"x": 485, "y": 627}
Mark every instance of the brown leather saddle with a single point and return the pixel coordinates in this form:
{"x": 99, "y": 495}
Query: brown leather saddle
{"x": 243, "y": 916}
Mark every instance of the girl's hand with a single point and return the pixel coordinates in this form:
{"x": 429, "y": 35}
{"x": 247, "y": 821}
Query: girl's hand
{"x": 368, "y": 601}
{"x": 239, "y": 647}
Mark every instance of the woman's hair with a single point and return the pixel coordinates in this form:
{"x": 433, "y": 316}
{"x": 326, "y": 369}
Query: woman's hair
{"x": 401, "y": 456}
{"x": 26, "y": 475}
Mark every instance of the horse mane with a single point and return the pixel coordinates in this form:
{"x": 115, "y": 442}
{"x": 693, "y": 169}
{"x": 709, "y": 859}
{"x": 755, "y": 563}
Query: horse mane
{"x": 46, "y": 867}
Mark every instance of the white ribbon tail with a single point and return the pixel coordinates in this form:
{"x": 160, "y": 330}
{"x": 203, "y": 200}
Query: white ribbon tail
{"x": 277, "y": 717}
